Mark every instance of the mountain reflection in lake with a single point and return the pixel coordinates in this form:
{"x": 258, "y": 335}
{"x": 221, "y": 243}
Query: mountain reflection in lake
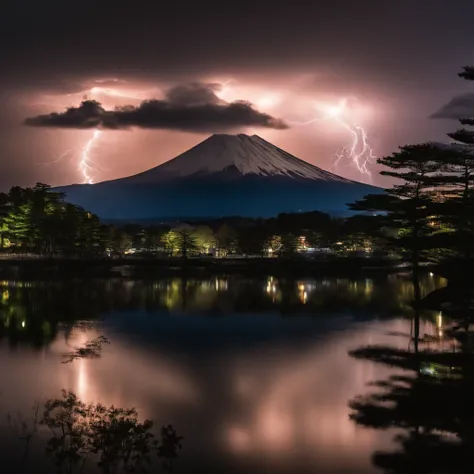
{"x": 254, "y": 373}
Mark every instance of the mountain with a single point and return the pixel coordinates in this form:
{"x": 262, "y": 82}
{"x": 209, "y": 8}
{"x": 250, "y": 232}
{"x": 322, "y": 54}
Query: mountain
{"x": 225, "y": 175}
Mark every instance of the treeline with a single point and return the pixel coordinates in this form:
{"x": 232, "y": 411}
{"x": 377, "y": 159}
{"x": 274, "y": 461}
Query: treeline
{"x": 39, "y": 220}
{"x": 285, "y": 234}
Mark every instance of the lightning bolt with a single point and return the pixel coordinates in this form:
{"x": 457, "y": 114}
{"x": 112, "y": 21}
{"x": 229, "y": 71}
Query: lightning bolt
{"x": 60, "y": 158}
{"x": 358, "y": 152}
{"x": 86, "y": 164}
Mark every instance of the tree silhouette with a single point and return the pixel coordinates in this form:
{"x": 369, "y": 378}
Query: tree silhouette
{"x": 431, "y": 402}
{"x": 406, "y": 207}
{"x": 113, "y": 437}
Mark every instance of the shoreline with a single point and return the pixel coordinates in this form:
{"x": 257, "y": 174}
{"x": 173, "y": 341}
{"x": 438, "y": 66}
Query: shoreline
{"x": 155, "y": 267}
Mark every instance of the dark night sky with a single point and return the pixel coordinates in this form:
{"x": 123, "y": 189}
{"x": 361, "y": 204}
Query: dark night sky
{"x": 396, "y": 62}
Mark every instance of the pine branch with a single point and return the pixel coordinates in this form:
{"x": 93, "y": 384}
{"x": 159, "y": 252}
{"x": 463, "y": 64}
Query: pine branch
{"x": 468, "y": 73}
{"x": 463, "y": 136}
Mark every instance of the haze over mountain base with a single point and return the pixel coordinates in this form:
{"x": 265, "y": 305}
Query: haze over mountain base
{"x": 225, "y": 175}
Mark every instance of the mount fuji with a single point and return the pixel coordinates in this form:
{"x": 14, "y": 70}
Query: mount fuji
{"x": 225, "y": 175}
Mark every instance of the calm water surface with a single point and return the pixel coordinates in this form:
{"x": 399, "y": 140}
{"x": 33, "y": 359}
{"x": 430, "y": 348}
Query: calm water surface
{"x": 254, "y": 373}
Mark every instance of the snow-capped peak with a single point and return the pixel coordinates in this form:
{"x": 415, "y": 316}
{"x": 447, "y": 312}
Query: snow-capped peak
{"x": 249, "y": 155}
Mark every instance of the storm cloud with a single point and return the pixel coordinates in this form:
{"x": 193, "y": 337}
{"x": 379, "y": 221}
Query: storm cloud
{"x": 461, "y": 106}
{"x": 294, "y": 53}
{"x": 193, "y": 107}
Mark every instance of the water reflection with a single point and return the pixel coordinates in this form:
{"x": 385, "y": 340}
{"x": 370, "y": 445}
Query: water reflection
{"x": 262, "y": 387}
{"x": 430, "y": 404}
{"x": 31, "y": 311}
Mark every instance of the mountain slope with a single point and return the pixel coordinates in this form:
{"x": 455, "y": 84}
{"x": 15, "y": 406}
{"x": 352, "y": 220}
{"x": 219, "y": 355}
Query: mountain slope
{"x": 225, "y": 175}
{"x": 242, "y": 153}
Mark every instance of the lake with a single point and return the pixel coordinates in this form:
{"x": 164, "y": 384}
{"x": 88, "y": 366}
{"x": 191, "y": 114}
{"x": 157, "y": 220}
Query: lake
{"x": 254, "y": 373}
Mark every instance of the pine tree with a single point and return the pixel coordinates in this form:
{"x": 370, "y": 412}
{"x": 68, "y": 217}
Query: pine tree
{"x": 456, "y": 208}
{"x": 89, "y": 233}
{"x": 407, "y": 207}
{"x": 68, "y": 241}
{"x": 47, "y": 211}
{"x": 4, "y": 208}
{"x": 18, "y": 225}
{"x": 463, "y": 135}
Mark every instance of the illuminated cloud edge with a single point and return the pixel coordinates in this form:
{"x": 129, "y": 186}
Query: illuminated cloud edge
{"x": 193, "y": 107}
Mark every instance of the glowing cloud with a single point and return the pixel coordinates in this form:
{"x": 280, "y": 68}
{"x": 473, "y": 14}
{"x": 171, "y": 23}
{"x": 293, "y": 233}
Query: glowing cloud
{"x": 191, "y": 107}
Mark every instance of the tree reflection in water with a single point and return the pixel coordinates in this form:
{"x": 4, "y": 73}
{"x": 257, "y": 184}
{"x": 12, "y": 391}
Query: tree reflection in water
{"x": 35, "y": 312}
{"x": 90, "y": 350}
{"x": 431, "y": 402}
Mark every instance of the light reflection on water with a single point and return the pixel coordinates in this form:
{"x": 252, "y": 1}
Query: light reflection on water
{"x": 255, "y": 374}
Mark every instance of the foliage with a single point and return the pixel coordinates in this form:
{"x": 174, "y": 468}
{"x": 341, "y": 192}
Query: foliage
{"x": 113, "y": 436}
{"x": 120, "y": 241}
{"x": 406, "y": 208}
{"x": 153, "y": 238}
{"x": 38, "y": 220}
{"x": 274, "y": 244}
{"x": 456, "y": 207}
{"x": 181, "y": 240}
{"x": 204, "y": 239}
{"x": 226, "y": 239}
